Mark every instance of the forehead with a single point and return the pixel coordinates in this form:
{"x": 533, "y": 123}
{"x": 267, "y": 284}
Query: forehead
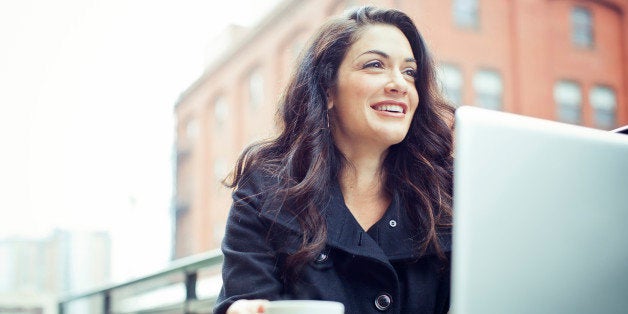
{"x": 384, "y": 37}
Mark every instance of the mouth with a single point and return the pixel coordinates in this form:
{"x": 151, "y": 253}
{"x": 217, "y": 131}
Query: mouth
{"x": 390, "y": 106}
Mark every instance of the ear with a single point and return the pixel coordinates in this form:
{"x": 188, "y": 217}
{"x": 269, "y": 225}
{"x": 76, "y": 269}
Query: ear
{"x": 330, "y": 100}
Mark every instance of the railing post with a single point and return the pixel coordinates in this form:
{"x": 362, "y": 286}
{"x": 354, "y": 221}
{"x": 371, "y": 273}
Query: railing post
{"x": 190, "y": 289}
{"x": 61, "y": 308}
{"x": 107, "y": 302}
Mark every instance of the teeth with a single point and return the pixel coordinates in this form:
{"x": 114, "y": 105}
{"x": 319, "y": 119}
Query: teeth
{"x": 390, "y": 108}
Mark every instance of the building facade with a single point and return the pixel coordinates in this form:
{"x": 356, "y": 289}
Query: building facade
{"x": 563, "y": 60}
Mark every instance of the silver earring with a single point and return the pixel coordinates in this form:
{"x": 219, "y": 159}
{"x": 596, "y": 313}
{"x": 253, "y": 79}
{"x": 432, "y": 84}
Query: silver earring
{"x": 327, "y": 117}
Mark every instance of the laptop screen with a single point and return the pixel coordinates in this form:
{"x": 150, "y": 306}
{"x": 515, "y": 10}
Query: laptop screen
{"x": 540, "y": 216}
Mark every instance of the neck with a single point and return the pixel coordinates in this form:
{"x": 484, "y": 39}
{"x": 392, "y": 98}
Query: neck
{"x": 362, "y": 185}
{"x": 363, "y": 174}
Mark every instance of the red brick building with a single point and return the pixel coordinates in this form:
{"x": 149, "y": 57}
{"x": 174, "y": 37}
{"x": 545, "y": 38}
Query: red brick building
{"x": 565, "y": 60}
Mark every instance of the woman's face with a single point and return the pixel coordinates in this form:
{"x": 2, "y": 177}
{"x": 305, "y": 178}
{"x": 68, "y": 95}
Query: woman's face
{"x": 375, "y": 98}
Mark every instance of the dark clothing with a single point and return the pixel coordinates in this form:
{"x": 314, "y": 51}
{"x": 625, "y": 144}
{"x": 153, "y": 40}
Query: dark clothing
{"x": 369, "y": 272}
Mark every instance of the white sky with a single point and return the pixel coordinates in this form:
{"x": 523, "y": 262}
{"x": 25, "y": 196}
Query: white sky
{"x": 87, "y": 89}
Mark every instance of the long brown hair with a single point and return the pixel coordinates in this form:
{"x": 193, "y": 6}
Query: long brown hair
{"x": 305, "y": 161}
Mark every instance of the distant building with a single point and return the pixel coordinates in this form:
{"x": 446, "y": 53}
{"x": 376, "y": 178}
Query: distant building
{"x": 560, "y": 60}
{"x": 35, "y": 272}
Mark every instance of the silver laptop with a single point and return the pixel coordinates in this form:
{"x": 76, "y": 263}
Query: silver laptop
{"x": 540, "y": 216}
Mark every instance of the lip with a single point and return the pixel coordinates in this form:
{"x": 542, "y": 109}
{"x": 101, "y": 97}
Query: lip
{"x": 403, "y": 105}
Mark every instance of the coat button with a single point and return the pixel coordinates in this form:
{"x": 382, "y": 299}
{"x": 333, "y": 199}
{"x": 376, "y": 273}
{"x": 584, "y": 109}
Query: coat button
{"x": 321, "y": 258}
{"x": 383, "y": 301}
{"x": 392, "y": 223}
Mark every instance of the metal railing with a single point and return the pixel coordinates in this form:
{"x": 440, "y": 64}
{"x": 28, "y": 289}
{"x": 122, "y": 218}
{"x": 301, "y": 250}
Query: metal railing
{"x": 188, "y": 285}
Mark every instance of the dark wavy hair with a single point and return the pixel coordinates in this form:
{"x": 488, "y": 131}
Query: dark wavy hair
{"x": 305, "y": 161}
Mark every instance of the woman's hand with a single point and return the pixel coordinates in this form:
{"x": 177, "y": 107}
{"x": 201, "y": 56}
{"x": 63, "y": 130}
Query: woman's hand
{"x": 247, "y": 307}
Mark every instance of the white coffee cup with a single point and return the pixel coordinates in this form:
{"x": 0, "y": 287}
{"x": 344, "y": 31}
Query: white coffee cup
{"x": 304, "y": 307}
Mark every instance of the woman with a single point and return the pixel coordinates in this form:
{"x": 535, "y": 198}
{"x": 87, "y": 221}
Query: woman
{"x": 352, "y": 201}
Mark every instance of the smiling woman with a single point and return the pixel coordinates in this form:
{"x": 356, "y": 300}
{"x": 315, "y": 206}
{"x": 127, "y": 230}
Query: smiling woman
{"x": 352, "y": 201}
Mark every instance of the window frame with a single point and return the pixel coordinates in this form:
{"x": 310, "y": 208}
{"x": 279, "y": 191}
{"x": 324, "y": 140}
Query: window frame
{"x": 453, "y": 95}
{"x": 597, "y": 107}
{"x": 256, "y": 88}
{"x": 466, "y": 14}
{"x": 560, "y": 106}
{"x": 220, "y": 111}
{"x": 479, "y": 92}
{"x": 582, "y": 27}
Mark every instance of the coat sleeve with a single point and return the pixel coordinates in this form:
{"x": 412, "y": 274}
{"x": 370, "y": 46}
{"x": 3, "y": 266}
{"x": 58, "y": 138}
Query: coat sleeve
{"x": 250, "y": 268}
{"x": 444, "y": 288}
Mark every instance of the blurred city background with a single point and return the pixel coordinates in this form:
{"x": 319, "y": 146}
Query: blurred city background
{"x": 120, "y": 118}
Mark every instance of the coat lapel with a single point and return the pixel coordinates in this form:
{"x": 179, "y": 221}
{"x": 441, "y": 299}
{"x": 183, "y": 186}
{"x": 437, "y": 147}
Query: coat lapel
{"x": 385, "y": 241}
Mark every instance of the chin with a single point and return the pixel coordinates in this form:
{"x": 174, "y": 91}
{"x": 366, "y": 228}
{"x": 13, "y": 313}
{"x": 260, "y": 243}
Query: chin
{"x": 391, "y": 135}
{"x": 393, "y": 139}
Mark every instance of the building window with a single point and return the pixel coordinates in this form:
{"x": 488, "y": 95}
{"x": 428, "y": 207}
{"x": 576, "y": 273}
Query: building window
{"x": 466, "y": 13}
{"x": 296, "y": 48}
{"x": 191, "y": 130}
{"x": 568, "y": 98}
{"x": 604, "y": 102}
{"x": 219, "y": 231}
{"x": 220, "y": 168}
{"x": 582, "y": 27}
{"x": 221, "y": 111}
{"x": 451, "y": 83}
{"x": 256, "y": 89}
{"x": 489, "y": 89}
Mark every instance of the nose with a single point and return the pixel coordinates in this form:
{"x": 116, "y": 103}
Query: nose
{"x": 397, "y": 83}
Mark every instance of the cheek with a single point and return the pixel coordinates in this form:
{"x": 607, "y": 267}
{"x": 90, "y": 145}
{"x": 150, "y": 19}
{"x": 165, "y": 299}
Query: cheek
{"x": 355, "y": 95}
{"x": 414, "y": 98}
{"x": 359, "y": 88}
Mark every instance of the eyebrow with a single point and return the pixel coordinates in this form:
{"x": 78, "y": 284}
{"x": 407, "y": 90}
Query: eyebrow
{"x": 385, "y": 55}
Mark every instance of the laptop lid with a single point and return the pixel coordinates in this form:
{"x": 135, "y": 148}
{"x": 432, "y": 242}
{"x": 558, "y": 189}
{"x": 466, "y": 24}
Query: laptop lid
{"x": 540, "y": 216}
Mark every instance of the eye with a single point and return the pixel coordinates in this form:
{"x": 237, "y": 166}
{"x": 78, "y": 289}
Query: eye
{"x": 410, "y": 72}
{"x": 373, "y": 64}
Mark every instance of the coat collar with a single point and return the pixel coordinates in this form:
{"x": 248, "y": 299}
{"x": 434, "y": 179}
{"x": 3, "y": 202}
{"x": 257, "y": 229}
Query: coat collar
{"x": 385, "y": 241}
{"x": 381, "y": 241}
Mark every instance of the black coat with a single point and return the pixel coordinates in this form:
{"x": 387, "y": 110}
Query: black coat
{"x": 369, "y": 272}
